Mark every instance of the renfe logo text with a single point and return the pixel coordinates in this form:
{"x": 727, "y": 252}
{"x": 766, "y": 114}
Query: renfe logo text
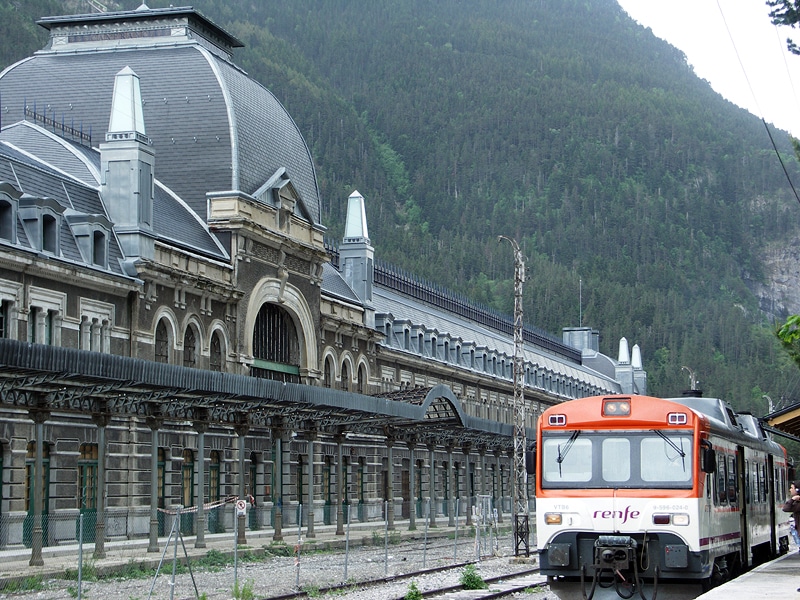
{"x": 617, "y": 514}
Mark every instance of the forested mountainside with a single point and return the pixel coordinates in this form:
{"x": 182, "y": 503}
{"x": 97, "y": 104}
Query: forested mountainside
{"x": 562, "y": 123}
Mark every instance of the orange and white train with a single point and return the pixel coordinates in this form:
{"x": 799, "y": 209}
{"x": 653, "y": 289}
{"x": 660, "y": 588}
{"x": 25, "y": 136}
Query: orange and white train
{"x": 643, "y": 495}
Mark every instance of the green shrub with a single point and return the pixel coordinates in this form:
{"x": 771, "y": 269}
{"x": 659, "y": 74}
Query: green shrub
{"x": 413, "y": 592}
{"x": 471, "y": 579}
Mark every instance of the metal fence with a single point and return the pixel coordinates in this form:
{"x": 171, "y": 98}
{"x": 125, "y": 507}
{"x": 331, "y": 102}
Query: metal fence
{"x": 366, "y": 550}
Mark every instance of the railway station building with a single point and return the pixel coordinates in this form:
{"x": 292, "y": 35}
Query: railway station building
{"x": 176, "y": 331}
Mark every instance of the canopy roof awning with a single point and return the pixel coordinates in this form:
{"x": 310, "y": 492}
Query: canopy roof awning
{"x": 784, "y": 422}
{"x": 37, "y": 377}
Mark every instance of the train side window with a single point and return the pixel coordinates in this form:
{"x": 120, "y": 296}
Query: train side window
{"x": 721, "y": 496}
{"x": 732, "y": 480}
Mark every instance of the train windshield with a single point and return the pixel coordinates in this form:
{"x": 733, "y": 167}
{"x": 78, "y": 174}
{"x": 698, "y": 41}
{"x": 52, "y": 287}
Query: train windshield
{"x": 617, "y": 459}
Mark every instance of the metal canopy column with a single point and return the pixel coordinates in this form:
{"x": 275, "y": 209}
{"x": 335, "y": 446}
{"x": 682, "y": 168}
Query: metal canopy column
{"x": 498, "y": 484}
{"x": 451, "y": 516}
{"x": 39, "y": 417}
{"x": 101, "y": 420}
{"x": 201, "y": 427}
{"x": 277, "y": 475}
{"x": 242, "y": 430}
{"x": 465, "y": 449}
{"x": 311, "y": 437}
{"x": 154, "y": 424}
{"x": 390, "y": 483}
{"x": 339, "y": 439}
{"x": 412, "y": 473}
{"x": 432, "y": 505}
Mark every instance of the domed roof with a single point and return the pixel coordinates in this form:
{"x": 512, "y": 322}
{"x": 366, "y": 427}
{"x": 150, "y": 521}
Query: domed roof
{"x": 213, "y": 127}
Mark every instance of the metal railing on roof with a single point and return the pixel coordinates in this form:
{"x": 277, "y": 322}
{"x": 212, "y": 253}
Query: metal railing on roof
{"x": 397, "y": 280}
{"x": 59, "y": 128}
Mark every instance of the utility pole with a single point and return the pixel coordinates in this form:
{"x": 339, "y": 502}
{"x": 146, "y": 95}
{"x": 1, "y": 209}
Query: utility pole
{"x": 520, "y": 482}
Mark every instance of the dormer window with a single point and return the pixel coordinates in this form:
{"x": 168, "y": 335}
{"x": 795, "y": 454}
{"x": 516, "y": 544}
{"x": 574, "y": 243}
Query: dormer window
{"x": 41, "y": 218}
{"x": 92, "y": 233}
{"x": 9, "y": 202}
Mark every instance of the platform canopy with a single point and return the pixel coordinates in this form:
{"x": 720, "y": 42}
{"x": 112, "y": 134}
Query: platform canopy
{"x": 784, "y": 422}
{"x": 38, "y": 377}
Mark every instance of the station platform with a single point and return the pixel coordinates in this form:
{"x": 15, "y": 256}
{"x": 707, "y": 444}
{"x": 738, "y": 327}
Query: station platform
{"x": 779, "y": 578}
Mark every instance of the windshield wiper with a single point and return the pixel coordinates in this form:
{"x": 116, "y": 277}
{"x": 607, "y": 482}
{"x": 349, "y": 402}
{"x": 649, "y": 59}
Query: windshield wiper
{"x": 567, "y": 447}
{"x": 675, "y": 447}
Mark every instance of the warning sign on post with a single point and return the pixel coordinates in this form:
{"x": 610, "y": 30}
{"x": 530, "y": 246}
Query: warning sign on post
{"x": 241, "y": 508}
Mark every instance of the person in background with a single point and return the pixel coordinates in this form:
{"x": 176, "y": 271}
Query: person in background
{"x": 792, "y": 505}
{"x": 793, "y": 532}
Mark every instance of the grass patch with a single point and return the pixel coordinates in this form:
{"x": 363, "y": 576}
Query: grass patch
{"x": 245, "y": 592}
{"x": 34, "y": 583}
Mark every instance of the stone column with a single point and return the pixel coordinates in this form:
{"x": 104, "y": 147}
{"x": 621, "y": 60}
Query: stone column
{"x": 339, "y": 439}
{"x": 311, "y": 437}
{"x": 277, "y": 471}
{"x": 390, "y": 484}
{"x": 154, "y": 424}
{"x": 451, "y": 516}
{"x": 101, "y": 420}
{"x": 412, "y": 513}
{"x": 242, "y": 430}
{"x": 38, "y": 416}
{"x": 432, "y": 518}
{"x": 498, "y": 472}
{"x": 201, "y": 427}
{"x": 465, "y": 450}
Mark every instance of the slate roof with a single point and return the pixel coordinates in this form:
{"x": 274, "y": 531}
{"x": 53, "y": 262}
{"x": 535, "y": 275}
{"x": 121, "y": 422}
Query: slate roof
{"x": 213, "y": 128}
{"x": 333, "y": 284}
{"x": 402, "y": 308}
{"x": 30, "y": 176}
{"x": 42, "y": 164}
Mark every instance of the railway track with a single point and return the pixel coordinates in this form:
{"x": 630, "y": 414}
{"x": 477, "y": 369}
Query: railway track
{"x": 497, "y": 587}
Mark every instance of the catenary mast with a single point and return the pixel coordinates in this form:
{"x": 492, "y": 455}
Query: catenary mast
{"x": 520, "y": 491}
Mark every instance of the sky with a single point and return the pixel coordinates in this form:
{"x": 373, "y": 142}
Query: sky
{"x": 735, "y": 47}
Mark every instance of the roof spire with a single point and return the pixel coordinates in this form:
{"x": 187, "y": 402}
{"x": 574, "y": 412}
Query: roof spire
{"x": 355, "y": 228}
{"x": 126, "y": 104}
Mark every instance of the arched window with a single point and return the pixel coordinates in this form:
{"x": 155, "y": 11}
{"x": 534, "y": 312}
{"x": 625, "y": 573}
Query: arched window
{"x": 276, "y": 350}
{"x": 327, "y": 376}
{"x": 215, "y": 353}
{"x": 162, "y": 343}
{"x": 345, "y": 377}
{"x": 362, "y": 380}
{"x": 189, "y": 348}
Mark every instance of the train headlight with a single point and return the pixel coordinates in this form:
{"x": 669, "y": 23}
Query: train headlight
{"x": 680, "y": 519}
{"x": 616, "y": 408}
{"x": 552, "y": 518}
